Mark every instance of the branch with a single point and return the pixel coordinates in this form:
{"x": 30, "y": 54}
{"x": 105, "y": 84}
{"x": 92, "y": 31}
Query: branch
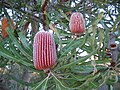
{"x": 7, "y": 5}
{"x": 43, "y": 10}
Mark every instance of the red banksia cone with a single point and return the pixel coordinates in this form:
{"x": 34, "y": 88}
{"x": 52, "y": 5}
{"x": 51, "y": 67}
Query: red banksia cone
{"x": 77, "y": 23}
{"x": 44, "y": 51}
{"x": 5, "y": 25}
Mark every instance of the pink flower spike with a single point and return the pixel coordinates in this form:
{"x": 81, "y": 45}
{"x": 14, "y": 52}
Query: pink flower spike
{"x": 44, "y": 51}
{"x": 77, "y": 23}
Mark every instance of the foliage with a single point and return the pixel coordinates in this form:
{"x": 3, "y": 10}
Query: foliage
{"x": 82, "y": 62}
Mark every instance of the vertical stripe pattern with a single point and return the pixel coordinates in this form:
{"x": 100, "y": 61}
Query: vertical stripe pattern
{"x": 77, "y": 23}
{"x": 44, "y": 51}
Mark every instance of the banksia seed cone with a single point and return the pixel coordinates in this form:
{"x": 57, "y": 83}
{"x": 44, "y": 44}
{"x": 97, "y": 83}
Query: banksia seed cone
{"x": 77, "y": 23}
{"x": 44, "y": 51}
{"x": 5, "y": 25}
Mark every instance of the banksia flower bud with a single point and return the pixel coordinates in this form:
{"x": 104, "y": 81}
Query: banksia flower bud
{"x": 77, "y": 23}
{"x": 5, "y": 25}
{"x": 44, "y": 51}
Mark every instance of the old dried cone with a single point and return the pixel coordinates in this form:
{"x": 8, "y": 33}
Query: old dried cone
{"x": 5, "y": 25}
{"x": 77, "y": 23}
{"x": 44, "y": 51}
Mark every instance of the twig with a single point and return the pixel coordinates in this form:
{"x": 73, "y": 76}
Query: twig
{"x": 7, "y": 5}
{"x": 43, "y": 10}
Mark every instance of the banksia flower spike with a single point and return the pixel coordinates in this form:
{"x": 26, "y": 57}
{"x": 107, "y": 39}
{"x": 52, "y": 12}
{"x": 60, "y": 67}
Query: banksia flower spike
{"x": 5, "y": 25}
{"x": 44, "y": 51}
{"x": 77, "y": 23}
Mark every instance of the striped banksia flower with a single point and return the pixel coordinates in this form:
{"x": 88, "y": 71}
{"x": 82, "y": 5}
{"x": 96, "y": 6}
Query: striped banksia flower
{"x": 77, "y": 23}
{"x": 44, "y": 51}
{"x": 5, "y": 25}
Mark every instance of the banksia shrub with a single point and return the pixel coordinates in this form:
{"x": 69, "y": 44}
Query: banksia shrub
{"x": 5, "y": 25}
{"x": 77, "y": 23}
{"x": 44, "y": 51}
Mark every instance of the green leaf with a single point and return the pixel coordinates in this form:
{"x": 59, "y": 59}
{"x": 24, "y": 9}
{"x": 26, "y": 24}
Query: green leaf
{"x": 15, "y": 41}
{"x": 99, "y": 17}
{"x": 81, "y": 60}
{"x": 3, "y": 61}
{"x": 63, "y": 14}
{"x": 112, "y": 79}
{"x": 24, "y": 42}
{"x": 42, "y": 85}
{"x": 83, "y": 69}
{"x": 7, "y": 54}
{"x": 59, "y": 84}
{"x": 39, "y": 2}
{"x": 81, "y": 77}
{"x": 72, "y": 45}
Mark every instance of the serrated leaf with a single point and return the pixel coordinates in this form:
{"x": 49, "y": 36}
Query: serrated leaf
{"x": 15, "y": 41}
{"x": 10, "y": 56}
